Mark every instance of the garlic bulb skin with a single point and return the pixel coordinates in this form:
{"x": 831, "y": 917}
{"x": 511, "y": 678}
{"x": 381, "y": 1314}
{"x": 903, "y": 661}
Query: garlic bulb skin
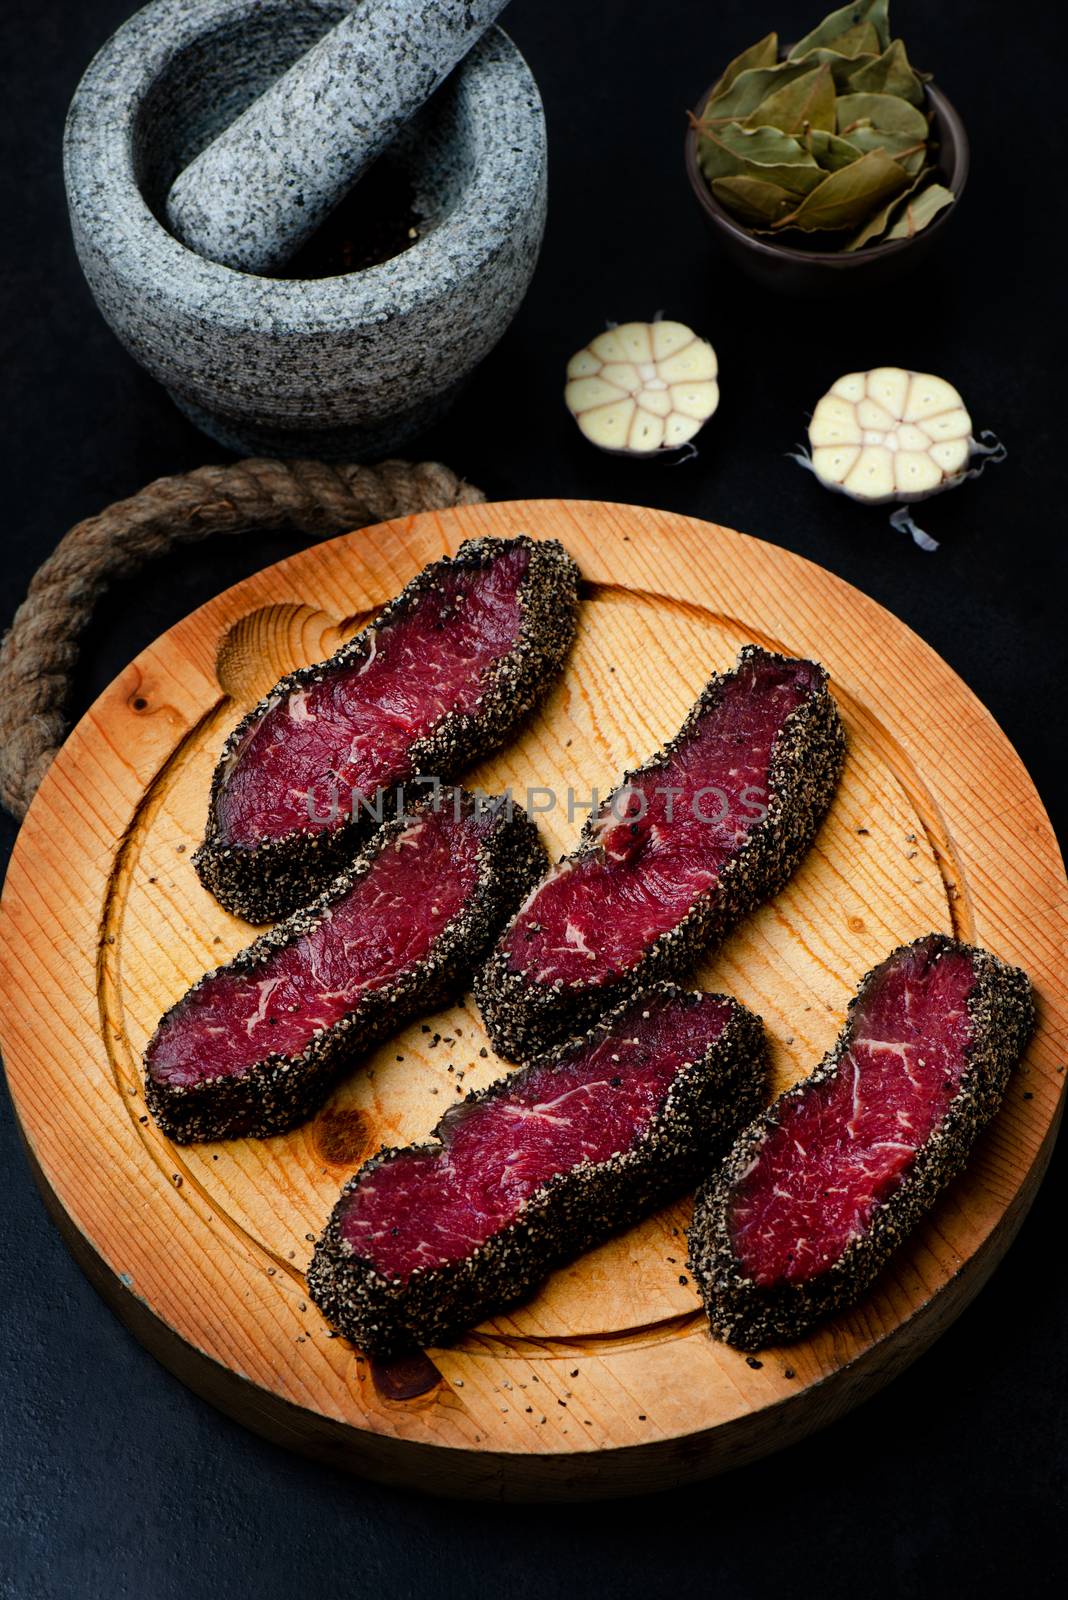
{"x": 891, "y": 435}
{"x": 643, "y": 388}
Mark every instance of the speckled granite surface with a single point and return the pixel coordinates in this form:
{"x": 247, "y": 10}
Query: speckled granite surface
{"x": 260, "y": 189}
{"x": 352, "y": 365}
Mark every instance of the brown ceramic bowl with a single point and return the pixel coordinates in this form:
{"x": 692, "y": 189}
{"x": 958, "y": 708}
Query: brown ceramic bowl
{"x": 820, "y": 274}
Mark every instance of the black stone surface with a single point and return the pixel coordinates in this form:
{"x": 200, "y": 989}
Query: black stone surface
{"x": 116, "y": 1481}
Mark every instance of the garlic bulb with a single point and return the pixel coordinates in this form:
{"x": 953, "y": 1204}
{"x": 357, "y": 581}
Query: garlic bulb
{"x": 643, "y": 387}
{"x": 894, "y": 435}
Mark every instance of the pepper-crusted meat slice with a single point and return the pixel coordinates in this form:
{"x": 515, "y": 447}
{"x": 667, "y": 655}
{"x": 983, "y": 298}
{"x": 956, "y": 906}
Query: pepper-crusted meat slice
{"x": 818, "y": 1192}
{"x": 536, "y": 1168}
{"x": 703, "y": 832}
{"x": 256, "y": 1045}
{"x": 438, "y": 680}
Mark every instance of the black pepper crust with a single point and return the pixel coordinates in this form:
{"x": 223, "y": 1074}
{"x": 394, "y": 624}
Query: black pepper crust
{"x": 275, "y": 876}
{"x": 746, "y": 1315}
{"x": 575, "y": 1210}
{"x": 281, "y": 1091}
{"x": 523, "y": 1016}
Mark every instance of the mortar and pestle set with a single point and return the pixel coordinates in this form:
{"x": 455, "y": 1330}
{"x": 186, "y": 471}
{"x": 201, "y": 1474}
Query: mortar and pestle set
{"x": 210, "y": 139}
{"x": 209, "y": 147}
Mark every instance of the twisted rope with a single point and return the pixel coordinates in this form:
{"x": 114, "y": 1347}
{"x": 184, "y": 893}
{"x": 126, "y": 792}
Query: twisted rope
{"x": 39, "y": 652}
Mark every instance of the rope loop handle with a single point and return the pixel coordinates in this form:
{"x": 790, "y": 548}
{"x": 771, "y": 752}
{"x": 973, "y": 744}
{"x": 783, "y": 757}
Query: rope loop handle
{"x": 39, "y": 651}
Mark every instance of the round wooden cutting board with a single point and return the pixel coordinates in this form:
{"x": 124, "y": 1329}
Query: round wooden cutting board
{"x": 607, "y": 1382}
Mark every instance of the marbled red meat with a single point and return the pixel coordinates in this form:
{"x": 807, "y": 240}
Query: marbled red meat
{"x": 537, "y": 1167}
{"x": 838, "y": 1151}
{"x": 386, "y": 922}
{"x": 816, "y": 1193}
{"x": 600, "y": 911}
{"x": 411, "y": 916}
{"x": 650, "y": 877}
{"x": 441, "y": 678}
{"x": 340, "y": 740}
{"x": 422, "y": 1210}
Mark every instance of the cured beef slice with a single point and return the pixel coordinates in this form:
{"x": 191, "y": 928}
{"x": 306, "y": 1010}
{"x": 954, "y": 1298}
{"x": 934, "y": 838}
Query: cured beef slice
{"x": 536, "y": 1168}
{"x": 817, "y": 1193}
{"x": 711, "y": 826}
{"x": 256, "y": 1045}
{"x": 438, "y": 680}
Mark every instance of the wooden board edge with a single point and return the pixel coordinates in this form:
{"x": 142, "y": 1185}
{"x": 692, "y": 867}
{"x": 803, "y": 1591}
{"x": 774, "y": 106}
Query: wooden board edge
{"x": 452, "y": 1473}
{"x": 250, "y": 1401}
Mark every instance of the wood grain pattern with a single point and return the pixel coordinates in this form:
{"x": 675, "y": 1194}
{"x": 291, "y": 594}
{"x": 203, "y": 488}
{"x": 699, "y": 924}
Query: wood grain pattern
{"x": 606, "y": 1382}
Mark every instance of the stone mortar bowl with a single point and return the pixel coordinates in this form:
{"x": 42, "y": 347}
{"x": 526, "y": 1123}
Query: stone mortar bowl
{"x": 353, "y": 365}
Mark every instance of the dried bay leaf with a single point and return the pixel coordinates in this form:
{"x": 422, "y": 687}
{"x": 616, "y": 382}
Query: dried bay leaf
{"x": 890, "y": 73}
{"x": 747, "y": 91}
{"x": 763, "y": 153}
{"x": 879, "y": 221}
{"x": 796, "y": 178}
{"x": 839, "y": 23}
{"x": 842, "y": 67}
{"x": 765, "y": 53}
{"x": 807, "y": 102}
{"x": 883, "y": 111}
{"x": 919, "y": 210}
{"x": 829, "y": 150}
{"x": 754, "y": 201}
{"x": 861, "y": 40}
{"x": 847, "y": 197}
{"x": 834, "y": 139}
{"x": 909, "y": 152}
{"x": 769, "y": 146}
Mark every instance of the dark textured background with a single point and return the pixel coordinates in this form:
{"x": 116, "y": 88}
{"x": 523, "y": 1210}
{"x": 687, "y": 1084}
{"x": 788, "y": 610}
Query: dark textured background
{"x": 114, "y": 1480}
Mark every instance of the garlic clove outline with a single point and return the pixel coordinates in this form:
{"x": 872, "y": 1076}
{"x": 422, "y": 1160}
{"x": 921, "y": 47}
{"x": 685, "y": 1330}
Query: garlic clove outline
{"x": 643, "y": 387}
{"x": 890, "y": 434}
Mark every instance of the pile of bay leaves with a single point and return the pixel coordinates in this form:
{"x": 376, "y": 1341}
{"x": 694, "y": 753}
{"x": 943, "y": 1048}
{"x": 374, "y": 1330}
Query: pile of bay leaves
{"x": 830, "y": 146}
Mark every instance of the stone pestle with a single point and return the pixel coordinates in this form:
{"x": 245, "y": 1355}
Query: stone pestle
{"x": 263, "y": 186}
